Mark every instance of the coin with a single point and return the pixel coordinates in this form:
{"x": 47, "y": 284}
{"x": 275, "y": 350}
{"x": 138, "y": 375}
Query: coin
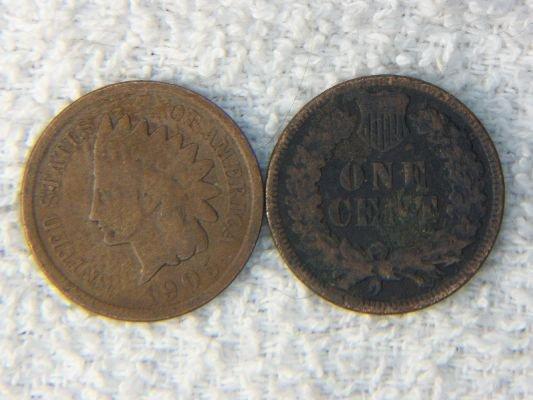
{"x": 142, "y": 201}
{"x": 384, "y": 194}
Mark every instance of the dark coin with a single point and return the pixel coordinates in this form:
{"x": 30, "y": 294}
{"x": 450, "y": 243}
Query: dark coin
{"x": 384, "y": 194}
{"x": 142, "y": 201}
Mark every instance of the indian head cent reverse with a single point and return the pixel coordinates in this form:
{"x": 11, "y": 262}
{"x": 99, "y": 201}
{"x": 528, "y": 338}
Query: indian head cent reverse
{"x": 384, "y": 194}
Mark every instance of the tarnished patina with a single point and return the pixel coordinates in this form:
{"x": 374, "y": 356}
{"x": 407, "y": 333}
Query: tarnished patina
{"x": 385, "y": 194}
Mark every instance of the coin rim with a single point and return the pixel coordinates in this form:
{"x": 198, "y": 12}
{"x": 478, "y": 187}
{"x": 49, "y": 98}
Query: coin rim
{"x": 441, "y": 291}
{"x": 77, "y": 295}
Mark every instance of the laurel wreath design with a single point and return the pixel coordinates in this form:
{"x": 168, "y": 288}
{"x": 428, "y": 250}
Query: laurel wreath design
{"x": 421, "y": 263}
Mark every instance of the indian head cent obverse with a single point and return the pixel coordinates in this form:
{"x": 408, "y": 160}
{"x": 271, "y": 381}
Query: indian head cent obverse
{"x": 142, "y": 201}
{"x": 384, "y": 194}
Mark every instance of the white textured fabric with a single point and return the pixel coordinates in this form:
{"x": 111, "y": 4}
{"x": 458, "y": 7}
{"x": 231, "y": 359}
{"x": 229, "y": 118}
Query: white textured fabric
{"x": 267, "y": 336}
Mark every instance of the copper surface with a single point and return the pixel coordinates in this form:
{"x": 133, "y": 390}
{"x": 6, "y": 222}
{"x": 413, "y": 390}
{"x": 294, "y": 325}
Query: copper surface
{"x": 142, "y": 201}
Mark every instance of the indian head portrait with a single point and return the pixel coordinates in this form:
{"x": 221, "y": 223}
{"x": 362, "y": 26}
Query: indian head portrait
{"x": 149, "y": 193}
{"x": 142, "y": 201}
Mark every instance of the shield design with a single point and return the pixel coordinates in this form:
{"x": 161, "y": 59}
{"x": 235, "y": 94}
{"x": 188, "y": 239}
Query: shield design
{"x": 383, "y": 119}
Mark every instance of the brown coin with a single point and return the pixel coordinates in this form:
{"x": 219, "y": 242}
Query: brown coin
{"x": 142, "y": 201}
{"x": 385, "y": 194}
